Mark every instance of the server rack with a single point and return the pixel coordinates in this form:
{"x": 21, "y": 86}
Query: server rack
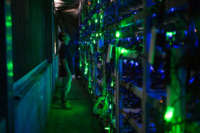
{"x": 153, "y": 35}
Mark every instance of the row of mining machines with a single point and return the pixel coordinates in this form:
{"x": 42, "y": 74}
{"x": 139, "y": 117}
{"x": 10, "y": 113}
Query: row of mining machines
{"x": 140, "y": 59}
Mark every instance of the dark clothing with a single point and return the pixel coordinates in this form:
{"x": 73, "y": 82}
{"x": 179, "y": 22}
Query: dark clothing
{"x": 65, "y": 53}
{"x": 62, "y": 56}
{"x": 64, "y": 71}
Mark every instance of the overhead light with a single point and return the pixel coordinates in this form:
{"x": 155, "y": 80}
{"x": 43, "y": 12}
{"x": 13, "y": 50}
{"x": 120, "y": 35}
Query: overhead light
{"x": 58, "y": 3}
{"x": 75, "y": 11}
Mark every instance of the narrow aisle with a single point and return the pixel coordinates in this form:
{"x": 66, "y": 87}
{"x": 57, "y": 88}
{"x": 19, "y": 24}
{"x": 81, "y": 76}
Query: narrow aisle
{"x": 79, "y": 119}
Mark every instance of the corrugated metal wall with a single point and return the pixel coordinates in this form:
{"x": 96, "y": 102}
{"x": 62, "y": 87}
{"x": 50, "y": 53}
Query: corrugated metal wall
{"x": 30, "y": 112}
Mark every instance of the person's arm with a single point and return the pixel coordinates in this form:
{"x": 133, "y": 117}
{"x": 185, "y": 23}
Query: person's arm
{"x": 65, "y": 62}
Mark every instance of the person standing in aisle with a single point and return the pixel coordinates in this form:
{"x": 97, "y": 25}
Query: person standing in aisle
{"x": 65, "y": 63}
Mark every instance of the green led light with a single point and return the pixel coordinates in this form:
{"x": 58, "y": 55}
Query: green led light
{"x": 96, "y": 21}
{"x": 107, "y": 128}
{"x": 112, "y": 84}
{"x": 110, "y": 106}
{"x": 10, "y": 69}
{"x": 117, "y": 34}
{"x": 123, "y": 51}
{"x": 169, "y": 114}
{"x": 94, "y": 41}
{"x": 86, "y": 71}
{"x": 170, "y": 34}
{"x": 101, "y": 16}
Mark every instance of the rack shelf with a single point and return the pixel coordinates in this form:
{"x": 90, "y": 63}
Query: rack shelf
{"x": 137, "y": 126}
{"x": 136, "y": 90}
{"x": 155, "y": 96}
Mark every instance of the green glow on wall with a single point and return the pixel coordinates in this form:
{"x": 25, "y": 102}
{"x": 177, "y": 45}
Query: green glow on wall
{"x": 117, "y": 34}
{"x": 10, "y": 74}
{"x": 10, "y": 66}
{"x": 8, "y": 21}
{"x": 9, "y": 38}
{"x": 169, "y": 114}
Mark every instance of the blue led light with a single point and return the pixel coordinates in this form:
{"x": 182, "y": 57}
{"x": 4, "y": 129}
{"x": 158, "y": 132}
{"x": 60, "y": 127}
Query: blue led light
{"x": 172, "y": 9}
{"x": 191, "y": 80}
{"x": 132, "y": 62}
{"x": 138, "y": 38}
{"x": 152, "y": 124}
{"x": 154, "y": 15}
{"x": 136, "y": 64}
{"x": 176, "y": 46}
{"x": 161, "y": 71}
{"x": 151, "y": 68}
{"x": 186, "y": 33}
{"x": 125, "y": 61}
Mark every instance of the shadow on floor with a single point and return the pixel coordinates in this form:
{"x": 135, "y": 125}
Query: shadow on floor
{"x": 79, "y": 119}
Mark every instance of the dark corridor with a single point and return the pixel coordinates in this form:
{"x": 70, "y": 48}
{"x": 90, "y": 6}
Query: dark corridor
{"x": 135, "y": 66}
{"x": 79, "y": 119}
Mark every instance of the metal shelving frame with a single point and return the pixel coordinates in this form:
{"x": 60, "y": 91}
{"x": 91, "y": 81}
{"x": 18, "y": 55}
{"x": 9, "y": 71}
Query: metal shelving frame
{"x": 145, "y": 93}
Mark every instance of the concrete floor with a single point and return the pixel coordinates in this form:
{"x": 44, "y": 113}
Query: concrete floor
{"x": 77, "y": 120}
